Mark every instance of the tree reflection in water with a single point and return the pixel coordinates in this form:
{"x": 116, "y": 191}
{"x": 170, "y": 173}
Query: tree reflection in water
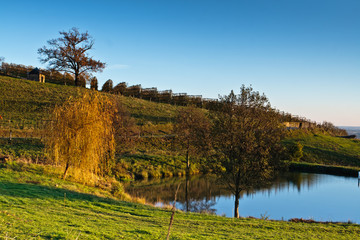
{"x": 199, "y": 193}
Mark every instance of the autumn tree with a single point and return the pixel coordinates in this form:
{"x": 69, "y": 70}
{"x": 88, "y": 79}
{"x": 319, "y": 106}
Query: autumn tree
{"x": 246, "y": 138}
{"x": 192, "y": 131}
{"x": 94, "y": 83}
{"x": 107, "y": 86}
{"x": 81, "y": 136}
{"x": 120, "y": 88}
{"x": 69, "y": 53}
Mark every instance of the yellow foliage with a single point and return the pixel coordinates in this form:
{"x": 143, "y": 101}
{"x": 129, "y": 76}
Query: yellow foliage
{"x": 80, "y": 136}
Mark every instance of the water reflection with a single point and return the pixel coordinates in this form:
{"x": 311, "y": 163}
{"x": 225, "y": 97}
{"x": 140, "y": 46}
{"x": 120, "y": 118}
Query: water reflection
{"x": 301, "y": 195}
{"x": 197, "y": 194}
{"x": 200, "y": 193}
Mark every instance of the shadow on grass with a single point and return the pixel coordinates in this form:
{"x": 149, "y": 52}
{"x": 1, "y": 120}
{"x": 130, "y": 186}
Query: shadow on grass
{"x": 33, "y": 190}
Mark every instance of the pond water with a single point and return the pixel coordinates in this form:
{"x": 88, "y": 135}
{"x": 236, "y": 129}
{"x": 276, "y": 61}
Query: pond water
{"x": 292, "y": 195}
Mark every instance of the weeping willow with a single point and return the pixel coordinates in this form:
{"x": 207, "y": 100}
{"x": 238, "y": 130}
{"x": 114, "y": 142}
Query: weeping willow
{"x": 81, "y": 137}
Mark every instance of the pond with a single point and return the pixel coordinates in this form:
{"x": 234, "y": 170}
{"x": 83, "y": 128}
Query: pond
{"x": 319, "y": 197}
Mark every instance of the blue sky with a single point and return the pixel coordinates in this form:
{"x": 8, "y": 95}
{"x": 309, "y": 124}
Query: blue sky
{"x": 303, "y": 54}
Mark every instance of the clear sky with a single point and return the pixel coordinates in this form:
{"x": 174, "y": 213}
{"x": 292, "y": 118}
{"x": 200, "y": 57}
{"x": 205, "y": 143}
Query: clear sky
{"x": 303, "y": 54}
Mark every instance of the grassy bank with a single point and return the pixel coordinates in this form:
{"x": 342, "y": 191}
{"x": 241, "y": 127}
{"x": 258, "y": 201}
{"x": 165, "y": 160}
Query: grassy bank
{"x": 35, "y": 205}
{"x": 324, "y": 149}
{"x": 325, "y": 169}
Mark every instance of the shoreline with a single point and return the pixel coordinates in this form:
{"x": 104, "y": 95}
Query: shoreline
{"x": 345, "y": 171}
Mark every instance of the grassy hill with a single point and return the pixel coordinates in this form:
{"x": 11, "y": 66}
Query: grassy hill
{"x": 327, "y": 150}
{"x": 35, "y": 205}
{"x": 31, "y": 101}
{"x": 24, "y": 99}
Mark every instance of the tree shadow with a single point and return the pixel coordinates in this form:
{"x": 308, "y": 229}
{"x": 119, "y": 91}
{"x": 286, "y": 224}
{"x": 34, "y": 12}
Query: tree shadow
{"x": 35, "y": 190}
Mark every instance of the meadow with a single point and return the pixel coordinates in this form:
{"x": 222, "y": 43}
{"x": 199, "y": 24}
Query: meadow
{"x": 35, "y": 204}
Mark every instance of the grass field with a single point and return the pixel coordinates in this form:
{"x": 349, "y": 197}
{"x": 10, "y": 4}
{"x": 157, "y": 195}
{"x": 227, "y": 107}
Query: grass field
{"x": 34, "y": 205}
{"x": 328, "y": 150}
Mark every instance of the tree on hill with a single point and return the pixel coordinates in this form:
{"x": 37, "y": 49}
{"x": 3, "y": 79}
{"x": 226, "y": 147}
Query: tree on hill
{"x": 193, "y": 133}
{"x": 69, "y": 53}
{"x": 108, "y": 86}
{"x": 192, "y": 129}
{"x": 81, "y": 136}
{"x": 94, "y": 83}
{"x": 246, "y": 140}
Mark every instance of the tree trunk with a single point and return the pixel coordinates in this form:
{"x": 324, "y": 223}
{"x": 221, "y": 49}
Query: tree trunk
{"x": 187, "y": 160}
{"x": 236, "y": 210}
{"x": 187, "y": 193}
{"x": 187, "y": 165}
{"x": 77, "y": 79}
{"x": 66, "y": 170}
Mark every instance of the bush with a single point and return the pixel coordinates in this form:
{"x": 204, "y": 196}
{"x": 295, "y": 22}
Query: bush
{"x": 296, "y": 152}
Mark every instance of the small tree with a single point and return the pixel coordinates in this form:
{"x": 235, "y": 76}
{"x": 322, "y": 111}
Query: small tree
{"x": 108, "y": 86}
{"x": 81, "y": 136}
{"x": 94, "y": 83}
{"x": 246, "y": 139}
{"x": 193, "y": 133}
{"x": 69, "y": 53}
{"x": 1, "y": 60}
{"x": 296, "y": 151}
{"x": 2, "y": 66}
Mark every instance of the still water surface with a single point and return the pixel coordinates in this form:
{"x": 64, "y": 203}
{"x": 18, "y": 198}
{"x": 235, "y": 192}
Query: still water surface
{"x": 293, "y": 195}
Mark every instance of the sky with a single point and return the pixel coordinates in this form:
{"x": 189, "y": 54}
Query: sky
{"x": 303, "y": 54}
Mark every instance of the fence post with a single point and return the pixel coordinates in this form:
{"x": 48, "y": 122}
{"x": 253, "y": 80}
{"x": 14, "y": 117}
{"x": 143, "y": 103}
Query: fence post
{"x": 10, "y": 130}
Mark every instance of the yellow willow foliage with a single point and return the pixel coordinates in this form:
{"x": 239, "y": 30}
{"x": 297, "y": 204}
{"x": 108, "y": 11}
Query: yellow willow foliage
{"x": 81, "y": 137}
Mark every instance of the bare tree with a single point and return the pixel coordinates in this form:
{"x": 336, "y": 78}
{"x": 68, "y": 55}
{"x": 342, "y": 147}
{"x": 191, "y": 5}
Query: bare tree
{"x": 246, "y": 139}
{"x": 69, "y": 53}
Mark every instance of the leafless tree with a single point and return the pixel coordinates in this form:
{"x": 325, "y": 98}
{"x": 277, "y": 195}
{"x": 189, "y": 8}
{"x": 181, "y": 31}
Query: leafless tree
{"x": 69, "y": 53}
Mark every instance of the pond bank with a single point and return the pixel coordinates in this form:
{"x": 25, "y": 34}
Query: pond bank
{"x": 324, "y": 169}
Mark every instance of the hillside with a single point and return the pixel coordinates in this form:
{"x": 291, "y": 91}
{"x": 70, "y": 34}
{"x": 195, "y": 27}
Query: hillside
{"x": 34, "y": 205}
{"x": 327, "y": 150}
{"x": 24, "y": 99}
{"x": 27, "y": 101}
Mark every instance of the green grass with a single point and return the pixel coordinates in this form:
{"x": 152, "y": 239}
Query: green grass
{"x": 34, "y": 205}
{"x": 328, "y": 150}
{"x": 28, "y": 149}
{"x": 23, "y": 99}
